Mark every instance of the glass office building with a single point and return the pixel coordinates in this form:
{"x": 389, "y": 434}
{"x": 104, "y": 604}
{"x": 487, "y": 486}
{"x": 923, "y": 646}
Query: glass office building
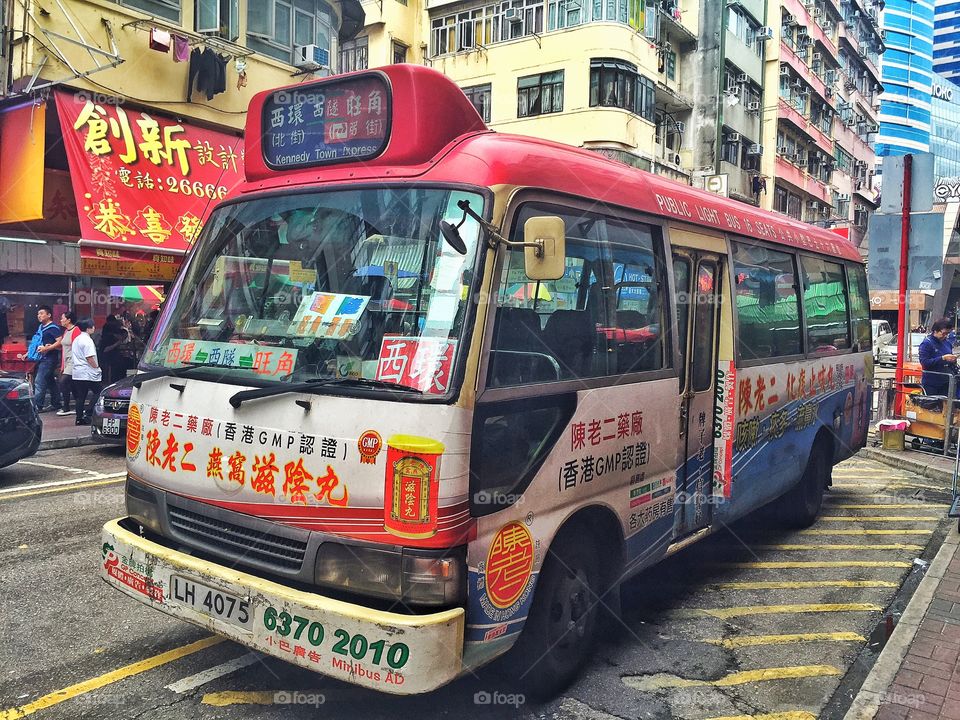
{"x": 907, "y": 73}
{"x": 945, "y": 128}
{"x": 946, "y": 40}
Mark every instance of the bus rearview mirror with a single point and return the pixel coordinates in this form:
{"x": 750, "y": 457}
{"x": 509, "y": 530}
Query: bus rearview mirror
{"x": 544, "y": 253}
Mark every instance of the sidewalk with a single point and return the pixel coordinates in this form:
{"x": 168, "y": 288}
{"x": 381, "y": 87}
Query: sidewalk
{"x": 917, "y": 675}
{"x": 61, "y": 431}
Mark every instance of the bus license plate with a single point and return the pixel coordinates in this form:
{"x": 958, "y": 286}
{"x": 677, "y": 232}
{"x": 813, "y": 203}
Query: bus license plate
{"x": 211, "y": 602}
{"x": 111, "y": 426}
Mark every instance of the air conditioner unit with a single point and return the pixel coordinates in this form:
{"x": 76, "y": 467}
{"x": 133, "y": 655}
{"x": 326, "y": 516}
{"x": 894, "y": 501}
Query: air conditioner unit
{"x": 681, "y": 127}
{"x": 513, "y": 15}
{"x": 802, "y": 31}
{"x": 829, "y": 92}
{"x": 817, "y": 12}
{"x": 863, "y": 52}
{"x": 817, "y": 57}
{"x": 802, "y": 53}
{"x": 733, "y": 138}
{"x": 755, "y": 149}
{"x": 781, "y": 149}
{"x": 843, "y": 197}
{"x": 753, "y": 106}
{"x": 812, "y": 205}
{"x": 311, "y": 57}
{"x": 743, "y": 77}
{"x": 764, "y": 33}
{"x": 784, "y": 70}
{"x": 798, "y": 84}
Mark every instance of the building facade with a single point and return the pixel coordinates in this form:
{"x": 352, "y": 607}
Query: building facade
{"x": 121, "y": 125}
{"x": 907, "y": 77}
{"x": 946, "y": 39}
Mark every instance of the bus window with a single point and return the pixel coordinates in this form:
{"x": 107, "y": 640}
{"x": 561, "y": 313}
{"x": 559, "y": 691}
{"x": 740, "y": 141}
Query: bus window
{"x": 768, "y": 307}
{"x": 681, "y": 280}
{"x": 703, "y": 365}
{"x": 825, "y": 305}
{"x": 859, "y": 306}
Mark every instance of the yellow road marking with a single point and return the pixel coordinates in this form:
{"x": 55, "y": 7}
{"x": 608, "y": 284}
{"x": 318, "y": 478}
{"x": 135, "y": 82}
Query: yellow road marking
{"x": 753, "y": 640}
{"x": 875, "y": 518}
{"x": 732, "y": 612}
{"x": 664, "y": 681}
{"x": 916, "y": 505}
{"x": 893, "y": 485}
{"x": 814, "y": 564}
{"x": 792, "y": 715}
{"x": 66, "y": 488}
{"x": 109, "y": 678}
{"x": 239, "y": 697}
{"x": 837, "y": 547}
{"x": 906, "y": 531}
{"x": 801, "y": 584}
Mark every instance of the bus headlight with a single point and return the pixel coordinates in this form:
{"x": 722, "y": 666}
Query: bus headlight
{"x": 409, "y": 576}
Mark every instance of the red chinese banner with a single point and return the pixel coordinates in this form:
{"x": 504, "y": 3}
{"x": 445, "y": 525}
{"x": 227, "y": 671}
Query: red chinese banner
{"x": 142, "y": 180}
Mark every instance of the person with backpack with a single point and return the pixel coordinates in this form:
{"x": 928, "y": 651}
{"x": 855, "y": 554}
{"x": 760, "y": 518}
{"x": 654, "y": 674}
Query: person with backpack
{"x": 44, "y": 349}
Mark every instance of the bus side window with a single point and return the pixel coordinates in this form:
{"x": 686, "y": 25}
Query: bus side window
{"x": 859, "y": 306}
{"x": 825, "y": 305}
{"x": 681, "y": 281}
{"x": 768, "y": 306}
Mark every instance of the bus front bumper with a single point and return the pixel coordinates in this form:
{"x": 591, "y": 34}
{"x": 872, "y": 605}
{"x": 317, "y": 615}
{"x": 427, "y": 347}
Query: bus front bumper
{"x": 390, "y": 652}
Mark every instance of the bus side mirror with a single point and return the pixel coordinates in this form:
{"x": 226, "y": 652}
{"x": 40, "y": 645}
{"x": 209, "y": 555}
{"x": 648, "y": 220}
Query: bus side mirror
{"x": 544, "y": 253}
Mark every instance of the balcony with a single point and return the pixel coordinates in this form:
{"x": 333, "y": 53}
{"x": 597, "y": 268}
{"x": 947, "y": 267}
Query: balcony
{"x": 789, "y": 173}
{"x": 787, "y": 112}
{"x": 799, "y": 10}
{"x": 789, "y": 56}
{"x": 672, "y": 18}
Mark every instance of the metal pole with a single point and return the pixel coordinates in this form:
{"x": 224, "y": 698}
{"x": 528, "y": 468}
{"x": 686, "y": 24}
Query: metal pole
{"x": 948, "y": 420}
{"x": 902, "y": 318}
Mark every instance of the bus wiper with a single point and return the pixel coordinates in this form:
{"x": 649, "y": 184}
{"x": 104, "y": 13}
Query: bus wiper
{"x": 241, "y": 397}
{"x": 178, "y": 372}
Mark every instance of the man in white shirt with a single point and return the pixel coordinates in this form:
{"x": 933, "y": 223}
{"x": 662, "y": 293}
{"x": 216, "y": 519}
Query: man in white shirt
{"x": 86, "y": 371}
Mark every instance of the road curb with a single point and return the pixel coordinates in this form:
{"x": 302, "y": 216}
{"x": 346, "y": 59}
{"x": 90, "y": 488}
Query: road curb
{"x": 905, "y": 463}
{"x": 62, "y": 443}
{"x": 868, "y": 700}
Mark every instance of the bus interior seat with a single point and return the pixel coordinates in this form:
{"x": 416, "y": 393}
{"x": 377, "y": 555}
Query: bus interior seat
{"x": 516, "y": 330}
{"x": 631, "y": 319}
{"x": 570, "y": 337}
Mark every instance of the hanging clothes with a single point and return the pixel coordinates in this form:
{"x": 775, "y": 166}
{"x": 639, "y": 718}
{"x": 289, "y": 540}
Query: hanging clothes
{"x": 209, "y": 71}
{"x": 181, "y": 48}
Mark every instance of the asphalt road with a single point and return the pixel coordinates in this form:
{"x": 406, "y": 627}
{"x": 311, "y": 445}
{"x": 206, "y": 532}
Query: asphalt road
{"x": 748, "y": 623}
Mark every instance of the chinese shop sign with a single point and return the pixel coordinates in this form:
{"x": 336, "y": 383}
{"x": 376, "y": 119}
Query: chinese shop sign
{"x": 132, "y": 264}
{"x": 141, "y": 179}
{"x": 342, "y": 121}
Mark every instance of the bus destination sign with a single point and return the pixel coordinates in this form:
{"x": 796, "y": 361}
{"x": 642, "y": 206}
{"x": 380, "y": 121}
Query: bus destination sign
{"x": 331, "y": 122}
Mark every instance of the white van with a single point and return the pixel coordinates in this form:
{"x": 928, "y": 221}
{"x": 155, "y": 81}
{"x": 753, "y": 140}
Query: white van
{"x": 880, "y": 328}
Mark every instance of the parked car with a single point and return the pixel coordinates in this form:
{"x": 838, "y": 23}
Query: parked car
{"x": 887, "y": 352}
{"x": 20, "y": 424}
{"x": 109, "y": 421}
{"x": 882, "y": 332}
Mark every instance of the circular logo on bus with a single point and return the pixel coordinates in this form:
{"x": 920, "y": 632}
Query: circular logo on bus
{"x": 509, "y": 564}
{"x": 369, "y": 445}
{"x": 134, "y": 430}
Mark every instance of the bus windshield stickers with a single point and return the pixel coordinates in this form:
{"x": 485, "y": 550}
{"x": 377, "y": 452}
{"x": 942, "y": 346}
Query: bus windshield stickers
{"x": 260, "y": 359}
{"x": 344, "y": 121}
{"x": 422, "y": 363}
{"x": 328, "y": 315}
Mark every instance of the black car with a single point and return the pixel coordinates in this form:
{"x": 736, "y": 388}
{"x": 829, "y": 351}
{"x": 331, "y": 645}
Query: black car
{"x": 109, "y": 421}
{"x": 20, "y": 424}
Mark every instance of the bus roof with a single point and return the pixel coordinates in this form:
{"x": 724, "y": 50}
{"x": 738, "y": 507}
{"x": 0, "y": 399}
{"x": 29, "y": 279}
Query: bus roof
{"x": 433, "y": 134}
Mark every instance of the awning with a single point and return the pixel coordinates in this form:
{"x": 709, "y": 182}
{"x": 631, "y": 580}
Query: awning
{"x": 143, "y": 181}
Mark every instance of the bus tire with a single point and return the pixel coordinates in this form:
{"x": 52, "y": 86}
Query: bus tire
{"x": 801, "y": 505}
{"x": 560, "y": 630}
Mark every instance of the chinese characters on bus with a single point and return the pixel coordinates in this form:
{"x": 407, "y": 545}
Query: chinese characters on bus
{"x": 421, "y": 363}
{"x": 346, "y": 120}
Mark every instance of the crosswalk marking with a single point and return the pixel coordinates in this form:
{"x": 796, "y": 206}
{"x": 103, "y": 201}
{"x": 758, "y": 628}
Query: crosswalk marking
{"x": 854, "y": 548}
{"x": 665, "y": 681}
{"x": 801, "y": 584}
{"x": 191, "y": 682}
{"x": 815, "y": 564}
{"x": 732, "y": 612}
{"x": 754, "y": 640}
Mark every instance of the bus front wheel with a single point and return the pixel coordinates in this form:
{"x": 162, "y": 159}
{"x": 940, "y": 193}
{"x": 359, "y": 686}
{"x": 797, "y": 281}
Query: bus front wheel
{"x": 558, "y": 635}
{"x": 800, "y": 507}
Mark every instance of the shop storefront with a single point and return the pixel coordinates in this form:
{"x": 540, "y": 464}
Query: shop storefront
{"x": 99, "y": 204}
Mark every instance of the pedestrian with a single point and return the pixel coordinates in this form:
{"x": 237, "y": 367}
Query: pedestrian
{"x": 937, "y": 359}
{"x": 112, "y": 336}
{"x": 49, "y": 360}
{"x": 86, "y": 371}
{"x": 70, "y": 333}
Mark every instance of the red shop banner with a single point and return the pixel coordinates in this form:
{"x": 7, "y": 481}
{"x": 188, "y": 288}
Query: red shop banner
{"x": 142, "y": 180}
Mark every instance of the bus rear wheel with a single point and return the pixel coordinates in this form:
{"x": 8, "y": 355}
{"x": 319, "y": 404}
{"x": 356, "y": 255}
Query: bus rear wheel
{"x": 558, "y": 635}
{"x": 800, "y": 507}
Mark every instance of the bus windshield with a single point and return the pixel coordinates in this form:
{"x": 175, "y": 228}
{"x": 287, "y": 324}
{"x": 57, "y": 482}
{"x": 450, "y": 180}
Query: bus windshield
{"x": 349, "y": 284}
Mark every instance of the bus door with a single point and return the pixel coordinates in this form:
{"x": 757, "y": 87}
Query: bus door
{"x": 697, "y": 281}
